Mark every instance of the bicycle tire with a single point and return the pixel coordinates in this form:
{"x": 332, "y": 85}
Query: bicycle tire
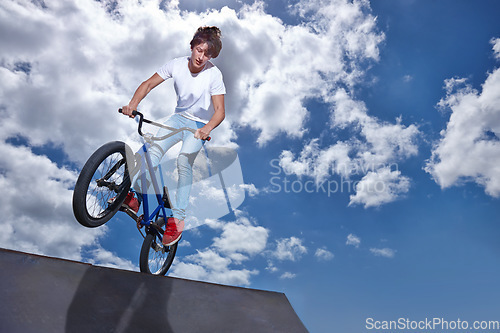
{"x": 156, "y": 258}
{"x": 93, "y": 203}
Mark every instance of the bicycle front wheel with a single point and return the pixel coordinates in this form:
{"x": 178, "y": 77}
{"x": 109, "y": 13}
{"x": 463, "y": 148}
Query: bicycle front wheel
{"x": 155, "y": 257}
{"x": 102, "y": 186}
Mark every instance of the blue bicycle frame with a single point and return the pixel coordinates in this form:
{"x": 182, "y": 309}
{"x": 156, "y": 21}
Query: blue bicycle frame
{"x": 161, "y": 196}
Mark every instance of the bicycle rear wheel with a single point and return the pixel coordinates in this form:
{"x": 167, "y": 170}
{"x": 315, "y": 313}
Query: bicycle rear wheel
{"x": 155, "y": 257}
{"x": 102, "y": 186}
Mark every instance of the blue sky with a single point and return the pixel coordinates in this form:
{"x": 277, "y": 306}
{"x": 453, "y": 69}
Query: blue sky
{"x": 403, "y": 94}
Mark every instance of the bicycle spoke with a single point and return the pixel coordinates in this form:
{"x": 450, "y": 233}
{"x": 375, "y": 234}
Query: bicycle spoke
{"x": 111, "y": 173}
{"x": 157, "y": 257}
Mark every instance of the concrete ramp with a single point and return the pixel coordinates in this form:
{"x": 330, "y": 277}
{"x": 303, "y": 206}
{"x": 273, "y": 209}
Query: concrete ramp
{"x": 43, "y": 294}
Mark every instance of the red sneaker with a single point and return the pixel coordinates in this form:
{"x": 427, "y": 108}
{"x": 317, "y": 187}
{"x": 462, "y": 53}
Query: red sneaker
{"x": 132, "y": 202}
{"x": 173, "y": 231}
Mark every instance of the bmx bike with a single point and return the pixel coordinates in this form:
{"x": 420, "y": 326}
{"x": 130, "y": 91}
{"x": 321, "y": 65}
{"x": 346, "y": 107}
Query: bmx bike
{"x": 105, "y": 182}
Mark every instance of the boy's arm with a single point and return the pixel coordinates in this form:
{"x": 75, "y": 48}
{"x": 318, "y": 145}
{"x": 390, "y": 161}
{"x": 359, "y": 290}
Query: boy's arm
{"x": 217, "y": 118}
{"x": 141, "y": 92}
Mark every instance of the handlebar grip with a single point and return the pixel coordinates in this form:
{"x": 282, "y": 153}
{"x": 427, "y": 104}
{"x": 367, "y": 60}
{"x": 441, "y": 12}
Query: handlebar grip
{"x": 134, "y": 113}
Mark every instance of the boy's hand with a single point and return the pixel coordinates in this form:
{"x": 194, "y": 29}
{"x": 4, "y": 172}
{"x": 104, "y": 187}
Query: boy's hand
{"x": 202, "y": 133}
{"x": 127, "y": 110}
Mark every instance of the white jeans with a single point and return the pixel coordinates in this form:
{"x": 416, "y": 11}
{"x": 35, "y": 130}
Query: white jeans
{"x": 189, "y": 150}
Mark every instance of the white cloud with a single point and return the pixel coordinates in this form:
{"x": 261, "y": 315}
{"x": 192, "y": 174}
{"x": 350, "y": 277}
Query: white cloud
{"x": 221, "y": 261}
{"x": 36, "y": 206}
{"x": 318, "y": 163}
{"x": 210, "y": 259}
{"x": 375, "y": 144}
{"x": 380, "y": 187}
{"x": 496, "y": 47}
{"x": 242, "y": 238}
{"x": 407, "y": 78}
{"x": 385, "y": 252}
{"x": 72, "y": 62}
{"x": 353, "y": 240}
{"x": 289, "y": 249}
{"x": 210, "y": 266}
{"x": 350, "y": 24}
{"x": 288, "y": 275}
{"x": 271, "y": 267}
{"x": 323, "y": 254}
{"x": 250, "y": 189}
{"x": 372, "y": 159}
{"x": 469, "y": 148}
{"x": 106, "y": 258}
{"x": 308, "y": 60}
{"x": 202, "y": 6}
{"x": 190, "y": 271}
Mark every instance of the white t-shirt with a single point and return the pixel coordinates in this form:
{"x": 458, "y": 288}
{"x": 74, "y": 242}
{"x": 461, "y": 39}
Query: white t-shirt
{"x": 194, "y": 91}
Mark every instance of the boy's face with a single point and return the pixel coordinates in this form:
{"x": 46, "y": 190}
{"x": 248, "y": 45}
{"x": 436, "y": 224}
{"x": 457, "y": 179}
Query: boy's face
{"x": 199, "y": 57}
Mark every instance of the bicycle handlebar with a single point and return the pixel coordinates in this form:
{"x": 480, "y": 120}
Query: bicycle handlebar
{"x": 147, "y": 121}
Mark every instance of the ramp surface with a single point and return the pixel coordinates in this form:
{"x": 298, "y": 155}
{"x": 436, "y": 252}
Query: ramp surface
{"x": 43, "y": 294}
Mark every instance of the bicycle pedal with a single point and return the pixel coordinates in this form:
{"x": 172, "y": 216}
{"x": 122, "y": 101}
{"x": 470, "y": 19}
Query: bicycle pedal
{"x": 130, "y": 212}
{"x": 158, "y": 247}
